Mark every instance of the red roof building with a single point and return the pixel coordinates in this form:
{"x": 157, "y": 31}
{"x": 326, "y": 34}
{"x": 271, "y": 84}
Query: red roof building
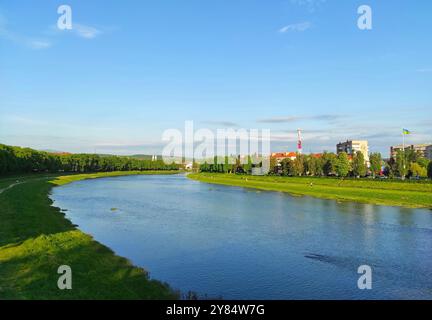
{"x": 279, "y": 156}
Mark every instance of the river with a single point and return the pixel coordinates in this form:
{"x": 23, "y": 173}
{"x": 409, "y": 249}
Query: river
{"x": 235, "y": 243}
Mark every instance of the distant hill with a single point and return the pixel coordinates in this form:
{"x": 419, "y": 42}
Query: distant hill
{"x": 134, "y": 156}
{"x": 53, "y": 151}
{"x": 159, "y": 157}
{"x": 143, "y": 156}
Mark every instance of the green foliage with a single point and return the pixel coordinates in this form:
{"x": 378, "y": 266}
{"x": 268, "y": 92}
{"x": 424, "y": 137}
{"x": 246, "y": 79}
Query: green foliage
{"x": 423, "y": 162}
{"x": 226, "y": 167}
{"x": 329, "y": 161}
{"x": 417, "y": 171}
{"x": 402, "y": 164}
{"x": 342, "y": 165}
{"x": 248, "y": 166}
{"x": 273, "y": 165}
{"x": 26, "y": 160}
{"x": 299, "y": 165}
{"x": 429, "y": 170}
{"x": 314, "y": 166}
{"x": 287, "y": 167}
{"x": 375, "y": 163}
{"x": 221, "y": 165}
{"x": 359, "y": 165}
{"x": 391, "y": 168}
{"x": 412, "y": 155}
{"x": 330, "y": 164}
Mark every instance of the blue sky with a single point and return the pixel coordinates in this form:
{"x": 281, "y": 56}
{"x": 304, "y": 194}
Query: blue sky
{"x": 128, "y": 70}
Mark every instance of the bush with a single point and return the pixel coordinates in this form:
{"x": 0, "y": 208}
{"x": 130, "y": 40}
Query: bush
{"x": 430, "y": 170}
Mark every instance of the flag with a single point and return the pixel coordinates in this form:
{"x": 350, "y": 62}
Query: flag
{"x": 405, "y": 131}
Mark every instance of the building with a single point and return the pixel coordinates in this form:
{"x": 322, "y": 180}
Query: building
{"x": 352, "y": 146}
{"x": 425, "y": 150}
{"x": 279, "y": 156}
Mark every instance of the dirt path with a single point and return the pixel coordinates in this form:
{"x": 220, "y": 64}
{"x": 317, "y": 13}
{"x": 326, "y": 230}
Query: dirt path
{"x": 10, "y": 186}
{"x": 18, "y": 181}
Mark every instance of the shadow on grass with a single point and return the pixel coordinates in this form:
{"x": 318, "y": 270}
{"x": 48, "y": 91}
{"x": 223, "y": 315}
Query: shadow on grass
{"x": 29, "y": 271}
{"x": 36, "y": 238}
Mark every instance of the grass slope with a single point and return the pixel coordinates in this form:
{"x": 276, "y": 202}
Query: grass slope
{"x": 394, "y": 193}
{"x": 36, "y": 238}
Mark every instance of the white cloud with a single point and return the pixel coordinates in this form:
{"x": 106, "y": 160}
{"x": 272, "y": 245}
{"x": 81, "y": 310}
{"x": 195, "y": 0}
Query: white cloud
{"x": 78, "y": 29}
{"x": 36, "y": 43}
{"x": 29, "y": 42}
{"x": 298, "y": 27}
{"x": 223, "y": 123}
{"x": 39, "y": 44}
{"x": 86, "y": 32}
{"x": 331, "y": 118}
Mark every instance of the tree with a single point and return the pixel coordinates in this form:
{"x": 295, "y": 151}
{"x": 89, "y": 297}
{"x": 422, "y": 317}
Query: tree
{"x": 287, "y": 167}
{"x": 319, "y": 166}
{"x": 273, "y": 165}
{"x": 375, "y": 163}
{"x": 423, "y": 162}
{"x": 342, "y": 165}
{"x": 390, "y": 169}
{"x": 298, "y": 165}
{"x": 329, "y": 161}
{"x": 429, "y": 170}
{"x": 313, "y": 165}
{"x": 359, "y": 165}
{"x": 417, "y": 171}
{"x": 401, "y": 164}
{"x": 237, "y": 168}
{"x": 22, "y": 160}
{"x": 411, "y": 155}
{"x": 248, "y": 166}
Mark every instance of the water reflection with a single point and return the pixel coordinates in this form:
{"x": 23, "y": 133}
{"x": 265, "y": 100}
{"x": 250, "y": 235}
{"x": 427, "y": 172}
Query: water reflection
{"x": 242, "y": 244}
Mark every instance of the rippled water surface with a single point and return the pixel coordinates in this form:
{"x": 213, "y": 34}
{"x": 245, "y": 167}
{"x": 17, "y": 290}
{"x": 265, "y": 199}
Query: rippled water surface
{"x": 236, "y": 243}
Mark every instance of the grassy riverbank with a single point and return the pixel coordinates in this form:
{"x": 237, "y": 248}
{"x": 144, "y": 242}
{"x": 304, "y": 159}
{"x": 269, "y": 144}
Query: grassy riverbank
{"x": 36, "y": 238}
{"x": 392, "y": 193}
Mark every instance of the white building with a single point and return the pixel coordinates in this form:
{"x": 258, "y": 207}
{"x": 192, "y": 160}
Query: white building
{"x": 352, "y": 146}
{"x": 425, "y": 149}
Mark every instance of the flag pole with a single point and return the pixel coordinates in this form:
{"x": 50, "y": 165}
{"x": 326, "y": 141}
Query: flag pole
{"x": 403, "y": 152}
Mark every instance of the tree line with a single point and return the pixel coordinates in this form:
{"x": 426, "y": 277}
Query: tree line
{"x": 225, "y": 165}
{"x": 328, "y": 164}
{"x": 26, "y": 160}
{"x": 407, "y": 163}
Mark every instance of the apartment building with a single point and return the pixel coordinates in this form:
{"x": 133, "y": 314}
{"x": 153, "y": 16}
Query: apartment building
{"x": 352, "y": 146}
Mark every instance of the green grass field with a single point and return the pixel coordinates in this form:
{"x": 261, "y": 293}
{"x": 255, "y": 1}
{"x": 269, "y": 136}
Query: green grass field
{"x": 36, "y": 238}
{"x": 380, "y": 192}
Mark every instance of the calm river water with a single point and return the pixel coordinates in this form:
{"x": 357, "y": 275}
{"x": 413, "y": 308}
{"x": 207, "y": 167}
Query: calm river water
{"x": 237, "y": 243}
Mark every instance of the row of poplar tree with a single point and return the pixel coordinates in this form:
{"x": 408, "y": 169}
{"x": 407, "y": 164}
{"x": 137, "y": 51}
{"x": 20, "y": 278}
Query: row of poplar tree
{"x": 25, "y": 160}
